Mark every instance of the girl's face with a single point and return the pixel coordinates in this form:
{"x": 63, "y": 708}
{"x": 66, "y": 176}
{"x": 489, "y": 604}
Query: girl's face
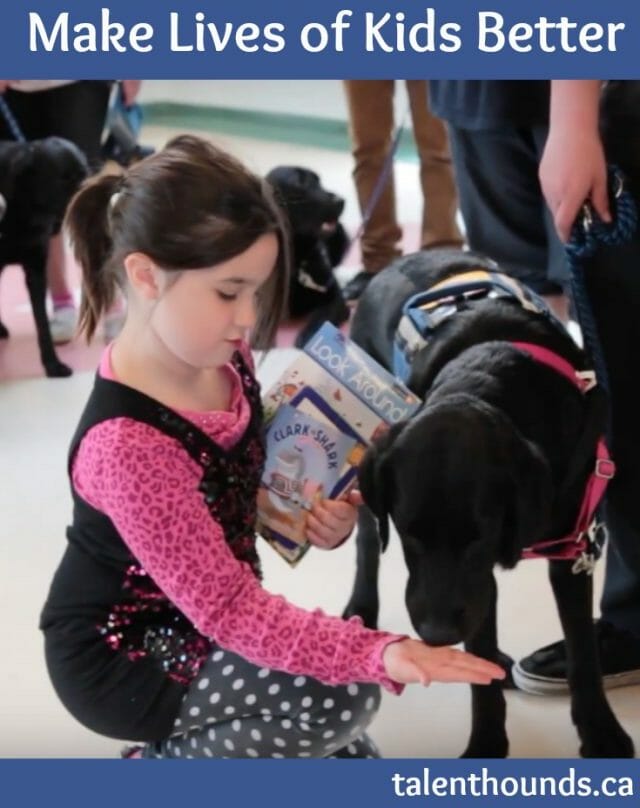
{"x": 203, "y": 315}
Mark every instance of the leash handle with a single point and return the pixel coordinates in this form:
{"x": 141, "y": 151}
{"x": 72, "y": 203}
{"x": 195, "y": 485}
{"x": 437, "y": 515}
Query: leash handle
{"x": 11, "y": 121}
{"x": 588, "y": 234}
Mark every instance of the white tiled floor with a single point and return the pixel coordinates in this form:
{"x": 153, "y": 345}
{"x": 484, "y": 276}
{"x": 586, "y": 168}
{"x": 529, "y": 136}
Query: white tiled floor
{"x": 37, "y": 418}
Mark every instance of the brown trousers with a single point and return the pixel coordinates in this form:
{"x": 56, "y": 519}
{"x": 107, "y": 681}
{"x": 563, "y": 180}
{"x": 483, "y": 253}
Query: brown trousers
{"x": 371, "y": 120}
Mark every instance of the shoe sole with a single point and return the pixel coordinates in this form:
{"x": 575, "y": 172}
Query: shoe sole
{"x": 546, "y": 686}
{"x": 59, "y": 337}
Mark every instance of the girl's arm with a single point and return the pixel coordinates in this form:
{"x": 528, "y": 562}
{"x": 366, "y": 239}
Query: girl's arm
{"x": 147, "y": 485}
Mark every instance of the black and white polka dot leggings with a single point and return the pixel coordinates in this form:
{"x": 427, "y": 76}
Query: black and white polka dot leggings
{"x": 234, "y": 709}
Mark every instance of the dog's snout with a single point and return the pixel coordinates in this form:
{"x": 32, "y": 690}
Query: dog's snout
{"x": 338, "y": 205}
{"x": 439, "y": 632}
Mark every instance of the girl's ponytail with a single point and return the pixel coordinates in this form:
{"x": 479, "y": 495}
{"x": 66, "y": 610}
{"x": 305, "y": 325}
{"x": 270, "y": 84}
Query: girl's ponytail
{"x": 88, "y": 223}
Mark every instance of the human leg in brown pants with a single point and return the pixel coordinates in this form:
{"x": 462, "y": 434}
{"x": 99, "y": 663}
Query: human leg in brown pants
{"x": 370, "y": 105}
{"x": 440, "y": 199}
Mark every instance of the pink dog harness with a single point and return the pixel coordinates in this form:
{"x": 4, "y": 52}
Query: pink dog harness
{"x": 579, "y": 545}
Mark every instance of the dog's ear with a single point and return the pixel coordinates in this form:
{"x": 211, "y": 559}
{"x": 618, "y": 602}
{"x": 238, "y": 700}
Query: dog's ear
{"x": 376, "y": 480}
{"x": 528, "y": 494}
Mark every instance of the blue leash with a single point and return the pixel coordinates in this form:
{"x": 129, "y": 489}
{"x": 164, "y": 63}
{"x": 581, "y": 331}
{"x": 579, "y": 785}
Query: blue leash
{"x": 589, "y": 233}
{"x": 11, "y": 121}
{"x": 381, "y": 182}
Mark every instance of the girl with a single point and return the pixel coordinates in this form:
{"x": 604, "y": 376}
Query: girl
{"x": 157, "y": 628}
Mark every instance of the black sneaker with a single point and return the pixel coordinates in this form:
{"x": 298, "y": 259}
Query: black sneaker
{"x": 544, "y": 673}
{"x": 356, "y": 286}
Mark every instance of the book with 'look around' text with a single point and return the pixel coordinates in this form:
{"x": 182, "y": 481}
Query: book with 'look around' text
{"x": 320, "y": 416}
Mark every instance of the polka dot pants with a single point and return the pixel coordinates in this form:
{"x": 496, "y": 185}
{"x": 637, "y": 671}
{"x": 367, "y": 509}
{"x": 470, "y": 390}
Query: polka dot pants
{"x": 234, "y": 709}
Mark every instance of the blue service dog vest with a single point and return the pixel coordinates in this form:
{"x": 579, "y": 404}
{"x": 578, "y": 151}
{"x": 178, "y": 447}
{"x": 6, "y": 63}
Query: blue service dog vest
{"x": 424, "y": 312}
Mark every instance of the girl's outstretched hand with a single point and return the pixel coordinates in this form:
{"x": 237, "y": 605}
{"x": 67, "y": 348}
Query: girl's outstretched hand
{"x": 331, "y": 521}
{"x": 413, "y": 661}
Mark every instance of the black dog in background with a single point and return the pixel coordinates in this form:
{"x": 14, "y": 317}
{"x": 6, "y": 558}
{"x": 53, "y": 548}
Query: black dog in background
{"x": 37, "y": 181}
{"x": 318, "y": 244}
{"x": 496, "y": 460}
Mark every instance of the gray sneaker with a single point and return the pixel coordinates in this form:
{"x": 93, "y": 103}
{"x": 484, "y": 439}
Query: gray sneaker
{"x": 63, "y": 324}
{"x": 112, "y": 326}
{"x": 544, "y": 673}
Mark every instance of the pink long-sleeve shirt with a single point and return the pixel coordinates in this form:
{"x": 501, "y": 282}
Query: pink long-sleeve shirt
{"x": 147, "y": 484}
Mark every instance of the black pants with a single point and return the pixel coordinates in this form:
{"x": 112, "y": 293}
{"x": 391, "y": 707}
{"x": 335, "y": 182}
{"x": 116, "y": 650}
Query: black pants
{"x": 613, "y": 281}
{"x": 74, "y": 111}
{"x": 504, "y": 212}
{"x": 507, "y": 218}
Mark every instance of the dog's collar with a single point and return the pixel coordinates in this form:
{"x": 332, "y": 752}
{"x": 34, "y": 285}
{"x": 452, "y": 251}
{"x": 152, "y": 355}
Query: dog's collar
{"x": 582, "y": 544}
{"x": 424, "y": 312}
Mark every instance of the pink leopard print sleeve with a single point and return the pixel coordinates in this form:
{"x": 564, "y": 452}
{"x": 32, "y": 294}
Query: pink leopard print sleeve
{"x": 147, "y": 484}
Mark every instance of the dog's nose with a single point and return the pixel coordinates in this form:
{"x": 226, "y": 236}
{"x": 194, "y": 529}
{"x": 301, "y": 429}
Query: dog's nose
{"x": 438, "y": 632}
{"x": 338, "y": 203}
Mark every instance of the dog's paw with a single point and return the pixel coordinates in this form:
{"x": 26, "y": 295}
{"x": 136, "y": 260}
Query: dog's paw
{"x": 4, "y": 331}
{"x": 57, "y": 370}
{"x": 489, "y": 746}
{"x": 613, "y": 744}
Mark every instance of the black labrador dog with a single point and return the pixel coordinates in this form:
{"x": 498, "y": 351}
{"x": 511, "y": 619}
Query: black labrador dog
{"x": 318, "y": 244}
{"x": 496, "y": 460}
{"x": 37, "y": 181}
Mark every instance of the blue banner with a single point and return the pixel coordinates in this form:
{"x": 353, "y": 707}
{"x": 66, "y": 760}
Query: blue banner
{"x": 330, "y": 40}
{"x": 318, "y": 784}
{"x": 335, "y": 39}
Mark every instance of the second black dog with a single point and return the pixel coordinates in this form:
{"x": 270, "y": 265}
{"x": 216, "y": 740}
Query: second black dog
{"x": 495, "y": 461}
{"x": 37, "y": 181}
{"x": 318, "y": 244}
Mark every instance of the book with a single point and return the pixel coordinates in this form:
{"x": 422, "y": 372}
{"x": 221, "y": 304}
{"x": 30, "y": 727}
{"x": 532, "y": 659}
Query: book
{"x": 320, "y": 416}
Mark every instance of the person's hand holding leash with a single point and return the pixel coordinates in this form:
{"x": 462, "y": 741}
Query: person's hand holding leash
{"x": 573, "y": 168}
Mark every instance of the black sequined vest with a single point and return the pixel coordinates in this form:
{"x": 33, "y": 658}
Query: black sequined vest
{"x": 101, "y": 591}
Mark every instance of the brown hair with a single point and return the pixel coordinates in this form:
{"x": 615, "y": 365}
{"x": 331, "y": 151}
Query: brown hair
{"x": 189, "y": 206}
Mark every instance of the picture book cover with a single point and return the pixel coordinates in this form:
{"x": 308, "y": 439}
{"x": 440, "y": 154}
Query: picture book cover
{"x": 312, "y": 454}
{"x": 336, "y": 384}
{"x": 359, "y": 389}
{"x": 359, "y": 373}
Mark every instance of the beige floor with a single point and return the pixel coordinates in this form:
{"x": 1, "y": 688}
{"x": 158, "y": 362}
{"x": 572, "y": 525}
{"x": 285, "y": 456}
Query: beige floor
{"x": 37, "y": 418}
